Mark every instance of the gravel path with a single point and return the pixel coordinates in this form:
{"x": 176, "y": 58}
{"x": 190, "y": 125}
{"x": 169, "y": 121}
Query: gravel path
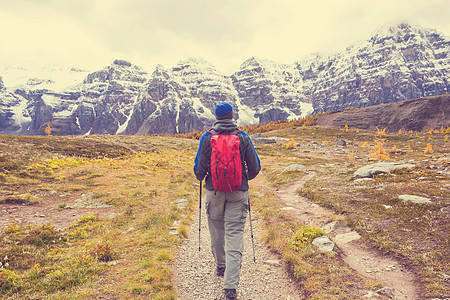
{"x": 195, "y": 276}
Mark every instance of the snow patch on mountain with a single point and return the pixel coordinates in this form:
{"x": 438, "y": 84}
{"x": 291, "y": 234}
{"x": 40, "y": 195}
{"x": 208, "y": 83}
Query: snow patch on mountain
{"x": 52, "y": 78}
{"x": 306, "y": 108}
{"x": 14, "y": 112}
{"x": 246, "y": 114}
{"x": 122, "y": 128}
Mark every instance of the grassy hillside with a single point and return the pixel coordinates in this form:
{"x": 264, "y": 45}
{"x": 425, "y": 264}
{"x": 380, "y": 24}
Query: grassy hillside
{"x": 119, "y": 243}
{"x": 416, "y": 234}
{"x": 97, "y": 216}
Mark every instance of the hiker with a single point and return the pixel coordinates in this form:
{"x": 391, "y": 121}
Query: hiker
{"x": 226, "y": 210}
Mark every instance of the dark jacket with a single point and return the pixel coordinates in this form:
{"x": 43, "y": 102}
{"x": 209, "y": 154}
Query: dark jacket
{"x": 250, "y": 161}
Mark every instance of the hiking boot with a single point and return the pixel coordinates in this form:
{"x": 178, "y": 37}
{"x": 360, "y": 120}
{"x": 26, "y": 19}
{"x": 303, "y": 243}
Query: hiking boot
{"x": 230, "y": 294}
{"x": 220, "y": 271}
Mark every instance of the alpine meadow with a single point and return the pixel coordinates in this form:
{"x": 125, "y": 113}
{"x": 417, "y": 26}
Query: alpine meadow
{"x": 104, "y": 216}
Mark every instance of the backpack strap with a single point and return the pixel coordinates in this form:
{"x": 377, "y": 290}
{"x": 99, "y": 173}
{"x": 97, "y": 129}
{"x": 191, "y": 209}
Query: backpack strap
{"x": 211, "y": 131}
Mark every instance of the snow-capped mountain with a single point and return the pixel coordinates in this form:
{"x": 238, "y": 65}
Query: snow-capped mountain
{"x": 397, "y": 63}
{"x": 182, "y": 99}
{"x": 274, "y": 90}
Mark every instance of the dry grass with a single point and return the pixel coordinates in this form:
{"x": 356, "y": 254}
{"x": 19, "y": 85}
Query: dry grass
{"x": 129, "y": 252}
{"x": 416, "y": 233}
{"x": 127, "y": 255}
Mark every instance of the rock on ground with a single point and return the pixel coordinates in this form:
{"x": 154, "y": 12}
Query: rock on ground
{"x": 379, "y": 168}
{"x": 323, "y": 243}
{"x": 414, "y": 199}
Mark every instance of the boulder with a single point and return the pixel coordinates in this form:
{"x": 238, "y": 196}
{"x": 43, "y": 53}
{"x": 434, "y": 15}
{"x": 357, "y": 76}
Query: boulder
{"x": 387, "y": 292}
{"x": 264, "y": 140}
{"x": 414, "y": 199}
{"x": 268, "y": 140}
{"x": 341, "y": 143}
{"x": 323, "y": 243}
{"x": 256, "y": 135}
{"x": 282, "y": 140}
{"x": 332, "y": 226}
{"x": 379, "y": 168}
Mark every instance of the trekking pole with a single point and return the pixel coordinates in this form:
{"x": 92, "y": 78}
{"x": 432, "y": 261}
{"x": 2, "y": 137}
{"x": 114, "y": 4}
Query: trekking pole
{"x": 251, "y": 229}
{"x": 200, "y": 216}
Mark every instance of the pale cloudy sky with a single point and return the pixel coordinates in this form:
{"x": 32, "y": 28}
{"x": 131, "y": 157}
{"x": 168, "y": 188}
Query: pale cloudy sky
{"x": 92, "y": 33}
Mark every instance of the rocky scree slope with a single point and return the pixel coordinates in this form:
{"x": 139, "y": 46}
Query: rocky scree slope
{"x": 416, "y": 115}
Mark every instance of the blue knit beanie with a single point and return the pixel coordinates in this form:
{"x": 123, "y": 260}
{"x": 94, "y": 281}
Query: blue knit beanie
{"x": 224, "y": 110}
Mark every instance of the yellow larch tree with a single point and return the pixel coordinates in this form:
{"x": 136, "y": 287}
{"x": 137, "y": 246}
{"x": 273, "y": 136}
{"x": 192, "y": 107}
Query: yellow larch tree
{"x": 379, "y": 152}
{"x": 428, "y": 149}
{"x": 48, "y": 130}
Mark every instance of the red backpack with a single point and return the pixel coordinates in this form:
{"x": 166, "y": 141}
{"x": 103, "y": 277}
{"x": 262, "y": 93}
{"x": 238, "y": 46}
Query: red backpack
{"x": 226, "y": 168}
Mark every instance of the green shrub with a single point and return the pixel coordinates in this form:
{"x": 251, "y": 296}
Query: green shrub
{"x": 304, "y": 236}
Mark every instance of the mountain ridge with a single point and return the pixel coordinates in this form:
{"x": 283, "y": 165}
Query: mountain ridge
{"x": 395, "y": 64}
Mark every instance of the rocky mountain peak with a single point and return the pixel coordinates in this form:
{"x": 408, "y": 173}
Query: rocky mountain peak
{"x": 160, "y": 71}
{"x": 203, "y": 80}
{"x": 193, "y": 66}
{"x": 121, "y": 62}
{"x": 194, "y": 61}
{"x": 119, "y": 70}
{"x": 251, "y": 62}
{"x": 405, "y": 33}
{"x": 398, "y": 30}
{"x": 258, "y": 64}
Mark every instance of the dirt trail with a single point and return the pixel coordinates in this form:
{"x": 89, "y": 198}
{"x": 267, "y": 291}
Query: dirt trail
{"x": 195, "y": 277}
{"x": 398, "y": 281}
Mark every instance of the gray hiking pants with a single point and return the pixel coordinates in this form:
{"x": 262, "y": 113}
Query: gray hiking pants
{"x": 227, "y": 212}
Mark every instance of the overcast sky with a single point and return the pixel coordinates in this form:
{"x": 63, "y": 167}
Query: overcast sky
{"x": 92, "y": 33}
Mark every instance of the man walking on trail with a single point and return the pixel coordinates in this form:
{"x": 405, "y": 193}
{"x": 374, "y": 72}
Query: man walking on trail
{"x": 227, "y": 207}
